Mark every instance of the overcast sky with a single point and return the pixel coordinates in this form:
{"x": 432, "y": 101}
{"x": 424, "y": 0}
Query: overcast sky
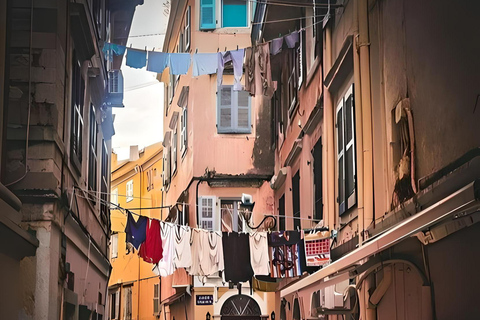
{"x": 140, "y": 122}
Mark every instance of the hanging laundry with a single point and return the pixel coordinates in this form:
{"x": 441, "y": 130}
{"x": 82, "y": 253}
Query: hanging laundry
{"x": 179, "y": 63}
{"x": 265, "y": 70}
{"x": 157, "y": 61}
{"x": 259, "y": 254}
{"x": 183, "y": 255}
{"x": 211, "y": 260}
{"x": 250, "y": 71}
{"x": 204, "y": 63}
{"x": 136, "y": 58}
{"x": 292, "y": 39}
{"x": 151, "y": 250}
{"x": 136, "y": 231}
{"x": 196, "y": 250}
{"x": 236, "y": 252}
{"x": 237, "y": 60}
{"x": 284, "y": 254}
{"x": 165, "y": 266}
{"x": 276, "y": 46}
{"x": 109, "y": 49}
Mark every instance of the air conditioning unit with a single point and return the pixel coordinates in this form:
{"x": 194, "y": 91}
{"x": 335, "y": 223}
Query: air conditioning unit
{"x": 114, "y": 96}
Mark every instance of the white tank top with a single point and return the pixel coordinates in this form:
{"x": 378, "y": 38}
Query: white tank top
{"x": 183, "y": 255}
{"x": 165, "y": 266}
{"x": 195, "y": 248}
{"x": 259, "y": 253}
{"x": 211, "y": 259}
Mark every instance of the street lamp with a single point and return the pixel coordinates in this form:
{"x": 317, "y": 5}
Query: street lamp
{"x": 208, "y": 316}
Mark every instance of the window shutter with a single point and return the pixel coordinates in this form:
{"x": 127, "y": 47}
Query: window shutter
{"x": 117, "y": 304}
{"x": 207, "y": 14}
{"x": 115, "y": 245}
{"x": 225, "y": 109}
{"x": 207, "y": 213}
{"x": 174, "y": 151}
{"x": 350, "y": 163}
{"x": 187, "y": 28}
{"x": 183, "y": 132}
{"x": 341, "y": 157}
{"x": 243, "y": 111}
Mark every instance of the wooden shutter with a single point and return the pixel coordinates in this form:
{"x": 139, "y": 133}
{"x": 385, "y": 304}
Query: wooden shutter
{"x": 207, "y": 14}
{"x": 207, "y": 213}
{"x": 243, "y": 111}
{"x": 117, "y": 304}
{"x": 225, "y": 109}
{"x": 350, "y": 163}
{"x": 340, "y": 157}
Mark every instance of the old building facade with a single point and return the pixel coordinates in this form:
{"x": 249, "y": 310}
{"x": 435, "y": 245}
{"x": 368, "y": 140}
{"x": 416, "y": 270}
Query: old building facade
{"x": 133, "y": 288}
{"x": 56, "y": 128}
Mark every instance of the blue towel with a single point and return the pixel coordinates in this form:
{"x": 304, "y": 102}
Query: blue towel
{"x": 136, "y": 58}
{"x": 204, "y": 63}
{"x": 179, "y": 63}
{"x": 157, "y": 61}
{"x": 109, "y": 49}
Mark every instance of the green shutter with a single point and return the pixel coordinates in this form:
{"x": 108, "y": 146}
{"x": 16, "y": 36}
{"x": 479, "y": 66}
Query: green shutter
{"x": 243, "y": 112}
{"x": 207, "y": 14}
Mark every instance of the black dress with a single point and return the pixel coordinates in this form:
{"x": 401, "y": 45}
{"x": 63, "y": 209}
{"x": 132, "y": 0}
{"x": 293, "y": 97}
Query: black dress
{"x": 236, "y": 254}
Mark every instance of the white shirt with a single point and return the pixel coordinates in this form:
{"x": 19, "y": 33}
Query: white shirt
{"x": 183, "y": 255}
{"x": 211, "y": 258}
{"x": 165, "y": 266}
{"x": 259, "y": 253}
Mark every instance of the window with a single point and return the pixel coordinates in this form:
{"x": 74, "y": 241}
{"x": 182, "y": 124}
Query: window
{"x": 225, "y": 14}
{"x": 231, "y": 219}
{"x": 207, "y": 213}
{"x": 166, "y": 167}
{"x": 156, "y": 299}
{"x": 183, "y": 132}
{"x": 78, "y": 92}
{"x": 104, "y": 207}
{"x": 127, "y": 295}
{"x": 234, "y": 13}
{"x": 296, "y": 200}
{"x": 317, "y": 180}
{"x": 233, "y": 114}
{"x": 92, "y": 151}
{"x": 114, "y": 247}
{"x": 345, "y": 127}
{"x": 114, "y": 198}
{"x": 174, "y": 151}
{"x": 187, "y": 29}
{"x": 281, "y": 213}
{"x": 114, "y": 305}
{"x": 150, "y": 177}
{"x": 292, "y": 82}
{"x": 129, "y": 191}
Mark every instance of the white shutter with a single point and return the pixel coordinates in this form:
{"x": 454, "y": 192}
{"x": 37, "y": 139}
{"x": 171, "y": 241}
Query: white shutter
{"x": 174, "y": 150}
{"x": 225, "y": 117}
{"x": 340, "y": 124}
{"x": 242, "y": 103}
{"x": 114, "y": 247}
{"x": 183, "y": 132}
{"x": 350, "y": 183}
{"x": 187, "y": 29}
{"x": 207, "y": 214}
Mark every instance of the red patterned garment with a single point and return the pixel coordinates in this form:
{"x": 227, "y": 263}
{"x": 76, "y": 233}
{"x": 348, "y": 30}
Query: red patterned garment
{"x": 151, "y": 250}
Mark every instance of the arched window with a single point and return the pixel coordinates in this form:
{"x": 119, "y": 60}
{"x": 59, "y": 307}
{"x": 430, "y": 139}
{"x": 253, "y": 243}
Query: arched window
{"x": 240, "y": 306}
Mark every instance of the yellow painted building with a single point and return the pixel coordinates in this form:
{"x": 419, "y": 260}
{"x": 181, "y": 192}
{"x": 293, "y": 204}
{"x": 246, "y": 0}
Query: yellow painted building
{"x": 134, "y": 290}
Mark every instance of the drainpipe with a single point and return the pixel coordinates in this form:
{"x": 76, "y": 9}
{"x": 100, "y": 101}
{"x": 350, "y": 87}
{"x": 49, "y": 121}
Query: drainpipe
{"x": 329, "y": 129}
{"x": 358, "y": 130}
{"x": 367, "y": 139}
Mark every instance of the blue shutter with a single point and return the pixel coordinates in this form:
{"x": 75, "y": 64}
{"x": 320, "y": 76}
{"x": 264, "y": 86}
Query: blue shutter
{"x": 207, "y": 14}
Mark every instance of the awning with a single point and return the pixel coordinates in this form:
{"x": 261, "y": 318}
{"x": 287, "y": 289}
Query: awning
{"x": 183, "y": 98}
{"x": 461, "y": 200}
{"x": 174, "y": 298}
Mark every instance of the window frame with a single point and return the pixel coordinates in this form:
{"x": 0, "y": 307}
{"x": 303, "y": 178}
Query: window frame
{"x": 235, "y": 217}
{"x": 105, "y": 182}
{"x": 129, "y": 191}
{"x": 234, "y": 109}
{"x": 115, "y": 305}
{"x": 187, "y": 30}
{"x": 114, "y": 198}
{"x": 78, "y": 106}
{"x": 346, "y": 199}
{"x": 183, "y": 133}
{"x": 93, "y": 151}
{"x": 174, "y": 151}
{"x": 127, "y": 295}
{"x": 114, "y": 246}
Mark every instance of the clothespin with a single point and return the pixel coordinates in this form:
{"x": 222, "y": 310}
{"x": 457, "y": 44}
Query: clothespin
{"x": 145, "y": 48}
{"x": 225, "y": 49}
{"x": 153, "y": 49}
{"x": 237, "y": 46}
{"x": 218, "y": 49}
{"x": 196, "y": 50}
